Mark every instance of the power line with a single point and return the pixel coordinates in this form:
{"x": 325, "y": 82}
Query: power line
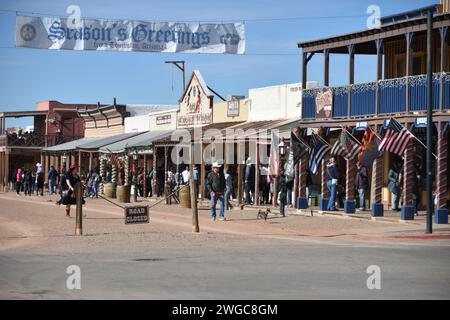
{"x": 244, "y": 54}
{"x": 204, "y": 21}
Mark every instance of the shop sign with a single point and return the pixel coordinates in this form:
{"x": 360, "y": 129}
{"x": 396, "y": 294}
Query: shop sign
{"x": 324, "y": 103}
{"x": 164, "y": 119}
{"x": 233, "y": 108}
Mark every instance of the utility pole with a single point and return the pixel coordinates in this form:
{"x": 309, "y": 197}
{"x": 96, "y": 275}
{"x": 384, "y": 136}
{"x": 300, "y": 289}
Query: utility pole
{"x": 430, "y": 204}
{"x": 180, "y": 65}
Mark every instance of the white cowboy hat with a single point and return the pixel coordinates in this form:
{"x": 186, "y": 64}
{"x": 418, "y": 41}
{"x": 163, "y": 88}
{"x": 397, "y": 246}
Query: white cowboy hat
{"x": 216, "y": 164}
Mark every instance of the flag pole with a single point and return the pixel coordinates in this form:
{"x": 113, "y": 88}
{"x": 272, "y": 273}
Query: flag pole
{"x": 374, "y": 132}
{"x": 322, "y": 139}
{"x": 356, "y": 139}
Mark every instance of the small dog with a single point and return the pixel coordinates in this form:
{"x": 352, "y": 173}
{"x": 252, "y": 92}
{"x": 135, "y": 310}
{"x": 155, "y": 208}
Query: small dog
{"x": 262, "y": 214}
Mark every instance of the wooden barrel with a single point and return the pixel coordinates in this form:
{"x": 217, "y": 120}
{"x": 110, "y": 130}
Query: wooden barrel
{"x": 110, "y": 190}
{"x": 123, "y": 194}
{"x": 185, "y": 197}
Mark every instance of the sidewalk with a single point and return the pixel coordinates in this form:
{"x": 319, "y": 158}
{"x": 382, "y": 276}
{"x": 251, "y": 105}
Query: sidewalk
{"x": 106, "y": 218}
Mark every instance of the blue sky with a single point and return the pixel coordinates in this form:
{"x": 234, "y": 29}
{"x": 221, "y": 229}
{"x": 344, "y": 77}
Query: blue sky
{"x": 30, "y": 75}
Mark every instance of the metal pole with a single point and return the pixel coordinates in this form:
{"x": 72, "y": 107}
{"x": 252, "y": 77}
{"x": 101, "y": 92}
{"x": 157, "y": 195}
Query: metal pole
{"x": 429, "y": 123}
{"x": 79, "y": 209}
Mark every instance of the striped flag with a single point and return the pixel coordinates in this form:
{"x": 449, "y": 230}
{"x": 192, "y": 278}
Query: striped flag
{"x": 274, "y": 159}
{"x": 345, "y": 146}
{"x": 297, "y": 150}
{"x": 369, "y": 148}
{"x": 319, "y": 150}
{"x": 114, "y": 160}
{"x": 396, "y": 138}
{"x": 336, "y": 149}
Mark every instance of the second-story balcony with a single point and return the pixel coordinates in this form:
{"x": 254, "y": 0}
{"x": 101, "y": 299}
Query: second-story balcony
{"x": 384, "y": 97}
{"x": 32, "y": 140}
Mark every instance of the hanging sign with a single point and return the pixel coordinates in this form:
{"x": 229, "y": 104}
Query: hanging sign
{"x": 421, "y": 122}
{"x": 135, "y": 215}
{"x": 128, "y": 35}
{"x": 233, "y": 108}
{"x": 324, "y": 103}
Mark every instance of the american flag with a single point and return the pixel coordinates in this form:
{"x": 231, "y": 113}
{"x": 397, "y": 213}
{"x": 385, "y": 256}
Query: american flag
{"x": 115, "y": 161}
{"x": 319, "y": 149}
{"x": 345, "y": 146}
{"x": 396, "y": 138}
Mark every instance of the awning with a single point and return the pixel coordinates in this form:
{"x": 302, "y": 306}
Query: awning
{"x": 104, "y": 141}
{"x": 71, "y": 145}
{"x": 141, "y": 141}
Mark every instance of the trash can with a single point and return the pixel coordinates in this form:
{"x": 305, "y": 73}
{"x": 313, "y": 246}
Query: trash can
{"x": 185, "y": 197}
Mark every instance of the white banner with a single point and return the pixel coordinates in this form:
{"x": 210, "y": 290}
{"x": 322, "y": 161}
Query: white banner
{"x": 127, "y": 35}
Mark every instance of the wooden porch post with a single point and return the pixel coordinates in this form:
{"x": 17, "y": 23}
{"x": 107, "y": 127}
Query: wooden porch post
{"x": 154, "y": 182}
{"x": 202, "y": 172}
{"x": 377, "y": 184}
{"x": 90, "y": 161}
{"x": 441, "y": 211}
{"x": 444, "y": 51}
{"x": 7, "y": 174}
{"x": 145, "y": 176}
{"x": 351, "y": 75}
{"x": 408, "y": 70}
{"x": 350, "y": 203}
{"x": 379, "y": 45}
{"x": 304, "y": 70}
{"x": 408, "y": 181}
{"x": 257, "y": 174}
{"x": 326, "y": 72}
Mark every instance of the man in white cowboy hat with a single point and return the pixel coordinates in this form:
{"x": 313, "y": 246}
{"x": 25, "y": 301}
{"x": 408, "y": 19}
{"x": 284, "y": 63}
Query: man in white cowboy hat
{"x": 216, "y": 186}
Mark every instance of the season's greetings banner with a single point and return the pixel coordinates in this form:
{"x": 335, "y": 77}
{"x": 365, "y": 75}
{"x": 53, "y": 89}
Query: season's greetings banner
{"x": 128, "y": 35}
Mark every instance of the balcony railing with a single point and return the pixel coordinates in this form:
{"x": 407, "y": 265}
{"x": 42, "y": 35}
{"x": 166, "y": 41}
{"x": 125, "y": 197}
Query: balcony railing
{"x": 400, "y": 95}
{"x": 34, "y": 140}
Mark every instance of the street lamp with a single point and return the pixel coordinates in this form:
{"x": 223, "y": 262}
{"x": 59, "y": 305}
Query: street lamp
{"x": 135, "y": 161}
{"x": 283, "y": 191}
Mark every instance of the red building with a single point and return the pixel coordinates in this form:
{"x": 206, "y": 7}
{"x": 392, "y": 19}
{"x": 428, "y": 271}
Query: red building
{"x": 54, "y": 123}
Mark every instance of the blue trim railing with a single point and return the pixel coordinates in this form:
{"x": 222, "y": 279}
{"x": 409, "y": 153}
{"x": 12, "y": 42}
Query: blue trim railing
{"x": 340, "y": 101}
{"x": 392, "y": 96}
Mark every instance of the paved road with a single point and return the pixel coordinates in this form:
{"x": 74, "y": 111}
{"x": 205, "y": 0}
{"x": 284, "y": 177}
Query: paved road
{"x": 163, "y": 261}
{"x": 275, "y": 271}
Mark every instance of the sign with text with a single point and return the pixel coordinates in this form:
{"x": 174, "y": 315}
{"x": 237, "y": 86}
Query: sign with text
{"x": 134, "y": 215}
{"x": 128, "y": 35}
{"x": 324, "y": 103}
{"x": 196, "y": 103}
{"x": 233, "y": 108}
{"x": 164, "y": 119}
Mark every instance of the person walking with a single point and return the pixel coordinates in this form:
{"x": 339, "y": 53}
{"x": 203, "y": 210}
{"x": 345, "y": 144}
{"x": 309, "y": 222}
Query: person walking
{"x": 19, "y": 179}
{"x": 72, "y": 179}
{"x": 52, "y": 177}
{"x": 196, "y": 177}
{"x": 229, "y": 189}
{"x": 249, "y": 181}
{"x": 332, "y": 181}
{"x": 40, "y": 184}
{"x": 149, "y": 178}
{"x": 216, "y": 185}
{"x": 362, "y": 185}
{"x": 28, "y": 182}
{"x": 394, "y": 184}
{"x": 186, "y": 174}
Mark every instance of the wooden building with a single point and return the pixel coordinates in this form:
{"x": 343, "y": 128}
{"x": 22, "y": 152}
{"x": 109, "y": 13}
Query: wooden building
{"x": 400, "y": 91}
